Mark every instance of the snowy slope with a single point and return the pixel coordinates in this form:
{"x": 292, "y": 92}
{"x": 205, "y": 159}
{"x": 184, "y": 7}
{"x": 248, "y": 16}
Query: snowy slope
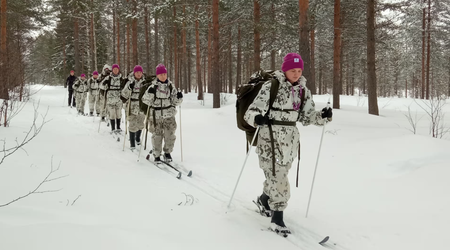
{"x": 378, "y": 186}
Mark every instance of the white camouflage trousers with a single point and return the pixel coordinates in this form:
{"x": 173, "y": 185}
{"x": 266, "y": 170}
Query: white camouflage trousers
{"x": 276, "y": 187}
{"x": 163, "y": 129}
{"x": 115, "y": 110}
{"x": 94, "y": 103}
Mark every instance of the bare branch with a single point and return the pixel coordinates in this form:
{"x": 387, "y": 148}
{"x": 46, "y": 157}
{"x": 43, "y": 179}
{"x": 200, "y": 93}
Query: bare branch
{"x": 36, "y": 190}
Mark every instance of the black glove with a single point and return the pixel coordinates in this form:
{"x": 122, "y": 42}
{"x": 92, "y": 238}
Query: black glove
{"x": 152, "y": 90}
{"x": 327, "y": 113}
{"x": 179, "y": 95}
{"x": 261, "y": 120}
{"x": 132, "y": 85}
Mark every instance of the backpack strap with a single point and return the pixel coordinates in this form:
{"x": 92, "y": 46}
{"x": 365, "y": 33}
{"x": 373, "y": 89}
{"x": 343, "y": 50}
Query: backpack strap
{"x": 273, "y": 94}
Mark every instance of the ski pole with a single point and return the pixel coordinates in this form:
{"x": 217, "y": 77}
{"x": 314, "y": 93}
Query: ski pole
{"x": 245, "y": 161}
{"x": 126, "y": 120}
{"x": 317, "y": 162}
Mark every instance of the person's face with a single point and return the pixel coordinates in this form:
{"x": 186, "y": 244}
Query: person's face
{"x": 162, "y": 77}
{"x": 293, "y": 75}
{"x": 83, "y": 78}
{"x": 115, "y": 71}
{"x": 95, "y": 76}
{"x": 138, "y": 75}
{"x": 72, "y": 73}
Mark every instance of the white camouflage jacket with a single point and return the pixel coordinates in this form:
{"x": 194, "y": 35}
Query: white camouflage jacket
{"x": 286, "y": 138}
{"x": 127, "y": 91}
{"x": 163, "y": 104}
{"x": 80, "y": 86}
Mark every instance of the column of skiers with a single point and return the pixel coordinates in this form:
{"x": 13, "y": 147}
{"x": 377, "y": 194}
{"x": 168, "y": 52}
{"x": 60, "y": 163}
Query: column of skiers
{"x": 111, "y": 91}
{"x": 274, "y": 110}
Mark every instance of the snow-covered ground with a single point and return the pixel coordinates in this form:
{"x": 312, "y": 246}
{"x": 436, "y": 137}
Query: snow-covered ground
{"x": 378, "y": 186}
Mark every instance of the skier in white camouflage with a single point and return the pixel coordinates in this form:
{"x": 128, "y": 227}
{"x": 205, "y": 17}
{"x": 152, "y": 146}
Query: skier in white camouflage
{"x": 81, "y": 88}
{"x": 278, "y": 137}
{"x": 101, "y": 100}
{"x": 134, "y": 115}
{"x": 93, "y": 84}
{"x": 113, "y": 85}
{"x": 162, "y": 98}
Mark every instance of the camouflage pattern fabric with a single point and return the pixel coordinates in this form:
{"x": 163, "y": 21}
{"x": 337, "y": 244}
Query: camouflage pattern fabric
{"x": 136, "y": 122}
{"x": 164, "y": 129}
{"x": 115, "y": 110}
{"x": 134, "y": 93}
{"x": 81, "y": 88}
{"x": 286, "y": 138}
{"x": 164, "y": 102}
{"x": 93, "y": 85}
{"x": 114, "y": 90}
{"x": 276, "y": 187}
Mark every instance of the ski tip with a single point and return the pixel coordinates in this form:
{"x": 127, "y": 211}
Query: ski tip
{"x": 324, "y": 240}
{"x": 179, "y": 175}
{"x": 190, "y": 173}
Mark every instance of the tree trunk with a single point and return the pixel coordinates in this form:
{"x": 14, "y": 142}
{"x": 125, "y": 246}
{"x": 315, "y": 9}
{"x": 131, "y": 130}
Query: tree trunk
{"x": 230, "y": 64}
{"x": 198, "y": 66}
{"x": 428, "y": 49}
{"x": 312, "y": 79}
{"x": 210, "y": 51}
{"x": 184, "y": 61}
{"x": 216, "y": 57}
{"x": 118, "y": 41}
{"x": 114, "y": 32}
{"x": 371, "y": 68}
{"x": 423, "y": 49}
{"x": 156, "y": 53}
{"x": 175, "y": 47}
{"x": 134, "y": 36}
{"x": 238, "y": 59}
{"x": 127, "y": 68}
{"x": 273, "y": 51}
{"x": 93, "y": 52}
{"x": 76, "y": 41}
{"x": 304, "y": 44}
{"x": 337, "y": 54}
{"x": 257, "y": 38}
{"x": 147, "y": 40}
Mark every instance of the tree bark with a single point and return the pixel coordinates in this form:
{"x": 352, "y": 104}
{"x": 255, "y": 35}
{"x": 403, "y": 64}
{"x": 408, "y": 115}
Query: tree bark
{"x": 238, "y": 59}
{"x": 371, "y": 67}
{"x": 273, "y": 51}
{"x": 428, "y": 50}
{"x": 337, "y": 54}
{"x": 230, "y": 64}
{"x": 156, "y": 53}
{"x": 304, "y": 47}
{"x": 257, "y": 38}
{"x": 76, "y": 41}
{"x": 184, "y": 60}
{"x": 134, "y": 36}
{"x": 118, "y": 40}
{"x": 423, "y": 49}
{"x": 175, "y": 47}
{"x": 216, "y": 57}
{"x": 147, "y": 40}
{"x": 210, "y": 51}
{"x": 198, "y": 66}
{"x": 312, "y": 79}
{"x": 114, "y": 32}
{"x": 92, "y": 34}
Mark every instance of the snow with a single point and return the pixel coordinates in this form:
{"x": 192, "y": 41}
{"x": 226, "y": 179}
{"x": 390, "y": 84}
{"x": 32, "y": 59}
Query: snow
{"x": 378, "y": 186}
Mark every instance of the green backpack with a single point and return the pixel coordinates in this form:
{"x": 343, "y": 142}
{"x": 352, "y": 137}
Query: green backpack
{"x": 246, "y": 93}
